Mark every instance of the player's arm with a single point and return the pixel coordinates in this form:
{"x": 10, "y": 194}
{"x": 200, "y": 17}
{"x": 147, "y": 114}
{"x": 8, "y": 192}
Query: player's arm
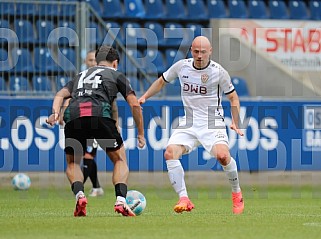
{"x": 56, "y": 105}
{"x": 235, "y": 112}
{"x": 138, "y": 118}
{"x": 156, "y": 87}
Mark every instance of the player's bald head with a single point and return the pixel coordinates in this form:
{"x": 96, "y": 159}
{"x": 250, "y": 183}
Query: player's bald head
{"x": 201, "y": 42}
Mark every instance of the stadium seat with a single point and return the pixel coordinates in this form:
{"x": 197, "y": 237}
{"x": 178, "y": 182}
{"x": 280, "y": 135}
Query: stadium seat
{"x": 135, "y": 83}
{"x": 156, "y": 28}
{"x": 4, "y": 60}
{"x": 7, "y": 9}
{"x": 21, "y": 60}
{"x": 67, "y": 8}
{"x": 66, "y": 60}
{"x": 66, "y": 34}
{"x": 134, "y": 9}
{"x": 193, "y": 30}
{"x": 216, "y": 9}
{"x": 48, "y": 10}
{"x": 41, "y": 84}
{"x": 154, "y": 62}
{"x": 43, "y": 60}
{"x": 172, "y": 56}
{"x": 240, "y": 86}
{"x": 19, "y": 84}
{"x": 26, "y": 9}
{"x": 133, "y": 34}
{"x": 173, "y": 88}
{"x": 154, "y": 9}
{"x": 196, "y": 10}
{"x": 127, "y": 66}
{"x": 175, "y": 35}
{"x": 43, "y": 29}
{"x": 61, "y": 81}
{"x": 89, "y": 37}
{"x": 24, "y": 31}
{"x": 315, "y": 9}
{"x": 115, "y": 29}
{"x": 4, "y": 25}
{"x": 175, "y": 9}
{"x": 95, "y": 4}
{"x": 298, "y": 10}
{"x": 3, "y": 85}
{"x": 278, "y": 9}
{"x": 237, "y": 9}
{"x": 257, "y": 9}
{"x": 112, "y": 9}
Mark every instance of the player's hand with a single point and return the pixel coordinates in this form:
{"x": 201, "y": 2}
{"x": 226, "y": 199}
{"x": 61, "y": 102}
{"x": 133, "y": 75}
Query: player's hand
{"x": 141, "y": 100}
{"x": 141, "y": 141}
{"x": 237, "y": 130}
{"x": 52, "y": 119}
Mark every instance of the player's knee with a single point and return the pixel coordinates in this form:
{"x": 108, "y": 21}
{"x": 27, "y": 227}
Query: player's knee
{"x": 223, "y": 158}
{"x": 169, "y": 153}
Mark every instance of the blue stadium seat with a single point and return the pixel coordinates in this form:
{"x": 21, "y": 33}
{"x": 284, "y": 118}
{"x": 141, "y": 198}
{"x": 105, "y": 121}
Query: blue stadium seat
{"x": 133, "y": 34}
{"x": 257, "y": 9}
{"x": 237, "y": 9}
{"x": 41, "y": 84}
{"x": 134, "y": 9}
{"x": 7, "y": 9}
{"x": 154, "y": 9}
{"x": 193, "y": 30}
{"x": 173, "y": 88}
{"x": 196, "y": 10}
{"x": 48, "y": 10}
{"x": 156, "y": 28}
{"x": 24, "y": 31}
{"x": 26, "y": 9}
{"x": 43, "y": 29}
{"x": 175, "y": 9}
{"x": 43, "y": 60}
{"x": 95, "y": 4}
{"x": 114, "y": 28}
{"x": 135, "y": 83}
{"x": 127, "y": 66}
{"x": 3, "y": 85}
{"x": 18, "y": 84}
{"x": 315, "y": 9}
{"x": 66, "y": 33}
{"x": 278, "y": 9}
{"x": 240, "y": 86}
{"x": 66, "y": 59}
{"x": 61, "y": 81}
{"x": 112, "y": 9}
{"x": 216, "y": 9}
{"x": 175, "y": 35}
{"x": 68, "y": 9}
{"x": 172, "y": 56}
{"x": 298, "y": 10}
{"x": 4, "y": 60}
{"x": 21, "y": 60}
{"x": 154, "y": 62}
{"x": 92, "y": 40}
{"x": 4, "y": 25}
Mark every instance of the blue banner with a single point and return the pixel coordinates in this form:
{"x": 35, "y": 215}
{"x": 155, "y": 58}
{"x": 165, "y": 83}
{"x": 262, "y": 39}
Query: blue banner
{"x": 278, "y": 136}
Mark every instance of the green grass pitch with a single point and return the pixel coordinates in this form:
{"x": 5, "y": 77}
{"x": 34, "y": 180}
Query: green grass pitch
{"x": 274, "y": 212}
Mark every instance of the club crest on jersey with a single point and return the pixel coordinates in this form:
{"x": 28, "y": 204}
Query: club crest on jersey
{"x": 204, "y": 78}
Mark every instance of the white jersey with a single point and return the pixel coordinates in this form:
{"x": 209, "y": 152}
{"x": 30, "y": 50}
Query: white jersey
{"x": 201, "y": 89}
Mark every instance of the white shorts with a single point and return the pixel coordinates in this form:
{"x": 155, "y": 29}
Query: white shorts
{"x": 194, "y": 136}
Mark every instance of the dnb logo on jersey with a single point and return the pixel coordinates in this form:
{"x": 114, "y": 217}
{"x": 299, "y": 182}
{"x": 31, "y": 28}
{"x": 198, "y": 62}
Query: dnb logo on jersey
{"x": 204, "y": 78}
{"x": 311, "y": 133}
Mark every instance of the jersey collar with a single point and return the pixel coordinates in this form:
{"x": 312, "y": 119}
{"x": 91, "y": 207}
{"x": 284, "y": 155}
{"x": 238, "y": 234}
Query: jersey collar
{"x": 209, "y": 62}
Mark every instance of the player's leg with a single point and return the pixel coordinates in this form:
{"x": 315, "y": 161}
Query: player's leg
{"x": 221, "y": 152}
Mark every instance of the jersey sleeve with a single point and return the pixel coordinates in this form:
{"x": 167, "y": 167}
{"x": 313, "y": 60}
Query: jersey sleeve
{"x": 69, "y": 85}
{"x": 225, "y": 81}
{"x": 124, "y": 86}
{"x": 172, "y": 72}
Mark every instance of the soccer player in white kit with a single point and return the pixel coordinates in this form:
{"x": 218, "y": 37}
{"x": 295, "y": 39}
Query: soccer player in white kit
{"x": 202, "y": 83}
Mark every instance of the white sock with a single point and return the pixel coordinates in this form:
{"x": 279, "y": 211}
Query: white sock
{"x": 176, "y": 177}
{"x": 121, "y": 199}
{"x": 232, "y": 175}
{"x": 80, "y": 193}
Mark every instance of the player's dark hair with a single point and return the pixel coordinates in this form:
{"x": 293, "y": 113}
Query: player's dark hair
{"x": 106, "y": 53}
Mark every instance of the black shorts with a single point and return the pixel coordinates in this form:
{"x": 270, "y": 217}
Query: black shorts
{"x": 79, "y": 132}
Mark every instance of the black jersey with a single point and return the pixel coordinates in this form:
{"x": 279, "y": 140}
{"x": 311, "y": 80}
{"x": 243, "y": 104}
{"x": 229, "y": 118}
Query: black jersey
{"x": 93, "y": 92}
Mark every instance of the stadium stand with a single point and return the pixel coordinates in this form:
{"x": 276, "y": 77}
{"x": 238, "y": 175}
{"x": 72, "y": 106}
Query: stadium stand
{"x": 196, "y": 10}
{"x": 134, "y": 9}
{"x": 41, "y": 84}
{"x": 24, "y": 31}
{"x": 22, "y": 59}
{"x": 157, "y": 30}
{"x": 154, "y": 9}
{"x": 237, "y": 9}
{"x": 3, "y": 85}
{"x": 216, "y": 9}
{"x": 298, "y": 10}
{"x": 315, "y": 9}
{"x": 112, "y": 9}
{"x": 19, "y": 85}
{"x": 4, "y": 60}
{"x": 240, "y": 86}
{"x": 257, "y": 9}
{"x": 175, "y": 9}
{"x": 154, "y": 62}
{"x": 278, "y": 9}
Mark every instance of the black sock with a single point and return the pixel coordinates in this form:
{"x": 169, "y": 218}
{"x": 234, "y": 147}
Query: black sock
{"x": 121, "y": 190}
{"x": 93, "y": 174}
{"x": 87, "y": 167}
{"x": 77, "y": 186}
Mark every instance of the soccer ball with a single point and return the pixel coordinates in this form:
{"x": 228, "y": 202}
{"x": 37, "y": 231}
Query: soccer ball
{"x": 21, "y": 181}
{"x": 136, "y": 201}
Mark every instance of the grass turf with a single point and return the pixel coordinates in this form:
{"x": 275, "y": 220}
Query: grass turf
{"x": 274, "y": 212}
